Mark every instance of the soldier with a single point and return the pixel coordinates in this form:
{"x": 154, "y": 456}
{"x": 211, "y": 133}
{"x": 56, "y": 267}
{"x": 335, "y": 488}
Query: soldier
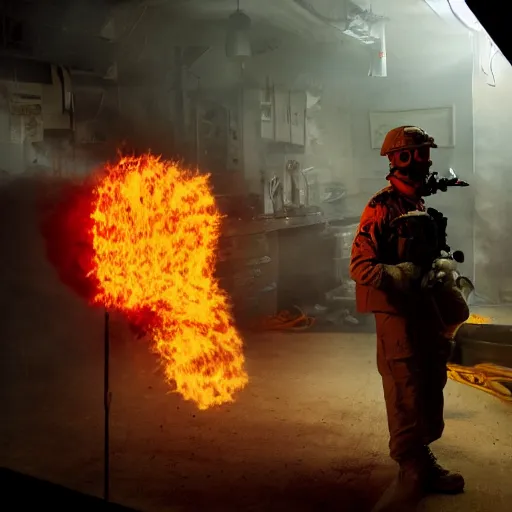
{"x": 412, "y": 349}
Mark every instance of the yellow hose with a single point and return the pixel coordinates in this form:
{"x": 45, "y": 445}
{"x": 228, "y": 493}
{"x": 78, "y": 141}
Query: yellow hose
{"x": 486, "y": 377}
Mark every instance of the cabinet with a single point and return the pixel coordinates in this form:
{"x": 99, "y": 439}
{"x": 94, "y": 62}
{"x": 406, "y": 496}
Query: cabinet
{"x": 248, "y": 272}
{"x": 298, "y": 118}
{"x": 288, "y": 109}
{"x": 212, "y": 131}
{"x": 282, "y": 116}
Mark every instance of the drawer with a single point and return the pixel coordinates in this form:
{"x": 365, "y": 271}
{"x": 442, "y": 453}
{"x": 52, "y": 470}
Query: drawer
{"x": 238, "y": 253}
{"x": 243, "y": 247}
{"x": 253, "y": 285}
{"x": 254, "y": 275}
{"x": 250, "y": 308}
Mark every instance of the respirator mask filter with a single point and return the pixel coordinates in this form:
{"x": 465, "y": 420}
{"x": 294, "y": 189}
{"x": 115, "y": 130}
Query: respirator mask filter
{"x": 407, "y": 160}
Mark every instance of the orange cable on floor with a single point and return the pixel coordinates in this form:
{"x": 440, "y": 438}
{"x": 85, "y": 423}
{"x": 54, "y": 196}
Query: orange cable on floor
{"x": 285, "y": 321}
{"x": 486, "y": 377}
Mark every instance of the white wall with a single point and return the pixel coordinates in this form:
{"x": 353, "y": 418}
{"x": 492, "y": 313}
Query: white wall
{"x": 493, "y": 176}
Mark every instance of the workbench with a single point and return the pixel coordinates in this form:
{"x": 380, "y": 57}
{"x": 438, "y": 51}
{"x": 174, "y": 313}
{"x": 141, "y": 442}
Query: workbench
{"x": 269, "y": 264}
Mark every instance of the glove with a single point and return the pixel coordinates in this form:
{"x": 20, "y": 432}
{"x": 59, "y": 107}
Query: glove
{"x": 400, "y": 277}
{"x": 444, "y": 272}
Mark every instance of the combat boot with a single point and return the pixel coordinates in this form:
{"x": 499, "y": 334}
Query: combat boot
{"x": 411, "y": 480}
{"x": 438, "y": 480}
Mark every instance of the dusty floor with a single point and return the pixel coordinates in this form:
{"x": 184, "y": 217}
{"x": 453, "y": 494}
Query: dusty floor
{"x": 307, "y": 434}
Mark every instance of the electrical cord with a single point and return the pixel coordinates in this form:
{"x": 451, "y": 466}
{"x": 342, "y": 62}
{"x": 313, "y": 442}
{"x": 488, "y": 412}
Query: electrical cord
{"x": 491, "y": 62}
{"x": 491, "y": 59}
{"x": 458, "y": 18}
{"x": 285, "y": 321}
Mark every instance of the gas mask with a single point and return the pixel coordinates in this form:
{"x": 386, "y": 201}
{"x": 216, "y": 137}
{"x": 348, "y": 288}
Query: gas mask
{"x": 412, "y": 163}
{"x": 412, "y": 167}
{"x": 408, "y": 151}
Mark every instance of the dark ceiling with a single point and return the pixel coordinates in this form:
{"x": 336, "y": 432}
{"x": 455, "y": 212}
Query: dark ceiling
{"x": 141, "y": 37}
{"x": 91, "y": 35}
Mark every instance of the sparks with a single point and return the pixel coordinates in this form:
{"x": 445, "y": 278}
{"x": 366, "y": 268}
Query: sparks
{"x": 478, "y": 319}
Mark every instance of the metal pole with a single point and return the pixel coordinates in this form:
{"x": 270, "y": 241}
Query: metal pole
{"x": 106, "y": 404}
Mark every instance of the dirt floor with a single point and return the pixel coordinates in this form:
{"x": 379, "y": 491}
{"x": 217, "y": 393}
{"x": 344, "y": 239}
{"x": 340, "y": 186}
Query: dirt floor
{"x": 308, "y": 433}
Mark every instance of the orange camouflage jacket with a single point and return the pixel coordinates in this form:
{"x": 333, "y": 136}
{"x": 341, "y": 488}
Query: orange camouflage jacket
{"x": 371, "y": 249}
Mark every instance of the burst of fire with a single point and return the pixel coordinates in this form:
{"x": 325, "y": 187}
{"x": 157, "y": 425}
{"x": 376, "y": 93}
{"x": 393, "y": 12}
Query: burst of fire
{"x": 155, "y": 236}
{"x": 141, "y": 238}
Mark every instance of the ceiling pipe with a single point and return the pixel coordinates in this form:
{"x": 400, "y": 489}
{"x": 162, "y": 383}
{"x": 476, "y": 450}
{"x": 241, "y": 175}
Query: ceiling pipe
{"x": 341, "y": 22}
{"x": 362, "y": 25}
{"x": 378, "y": 63}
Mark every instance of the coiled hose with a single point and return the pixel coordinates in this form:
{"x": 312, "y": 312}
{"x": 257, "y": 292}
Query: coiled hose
{"x": 486, "y": 377}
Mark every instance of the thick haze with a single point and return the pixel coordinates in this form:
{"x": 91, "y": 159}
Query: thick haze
{"x": 308, "y": 433}
{"x": 134, "y": 89}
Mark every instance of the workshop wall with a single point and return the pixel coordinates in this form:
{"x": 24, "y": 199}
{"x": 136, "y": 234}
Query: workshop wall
{"x": 106, "y": 118}
{"x": 12, "y": 146}
{"x": 421, "y": 75}
{"x": 492, "y": 105}
{"x": 428, "y": 79}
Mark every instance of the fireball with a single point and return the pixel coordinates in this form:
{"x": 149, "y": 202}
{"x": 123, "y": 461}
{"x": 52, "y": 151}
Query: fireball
{"x": 155, "y": 229}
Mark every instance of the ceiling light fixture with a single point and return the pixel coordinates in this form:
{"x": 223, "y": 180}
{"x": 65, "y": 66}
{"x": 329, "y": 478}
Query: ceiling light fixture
{"x": 378, "y": 62}
{"x": 238, "y": 43}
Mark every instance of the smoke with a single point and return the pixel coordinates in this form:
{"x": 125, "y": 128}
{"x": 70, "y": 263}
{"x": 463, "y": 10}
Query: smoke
{"x": 66, "y": 229}
{"x": 64, "y": 211}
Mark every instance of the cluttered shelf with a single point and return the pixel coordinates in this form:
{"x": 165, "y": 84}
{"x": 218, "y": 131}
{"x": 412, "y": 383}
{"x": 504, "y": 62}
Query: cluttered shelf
{"x": 235, "y": 227}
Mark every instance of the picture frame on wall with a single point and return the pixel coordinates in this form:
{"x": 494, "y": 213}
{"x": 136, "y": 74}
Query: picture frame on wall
{"x": 437, "y": 122}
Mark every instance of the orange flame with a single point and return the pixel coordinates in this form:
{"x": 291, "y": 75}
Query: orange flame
{"x": 478, "y": 319}
{"x": 154, "y": 235}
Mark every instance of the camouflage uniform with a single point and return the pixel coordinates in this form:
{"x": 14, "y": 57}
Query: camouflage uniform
{"x": 412, "y": 337}
{"x": 411, "y": 351}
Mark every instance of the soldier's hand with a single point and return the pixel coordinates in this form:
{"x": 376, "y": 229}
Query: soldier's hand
{"x": 401, "y": 277}
{"x": 443, "y": 272}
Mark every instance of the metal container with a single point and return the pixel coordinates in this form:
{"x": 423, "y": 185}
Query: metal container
{"x": 483, "y": 343}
